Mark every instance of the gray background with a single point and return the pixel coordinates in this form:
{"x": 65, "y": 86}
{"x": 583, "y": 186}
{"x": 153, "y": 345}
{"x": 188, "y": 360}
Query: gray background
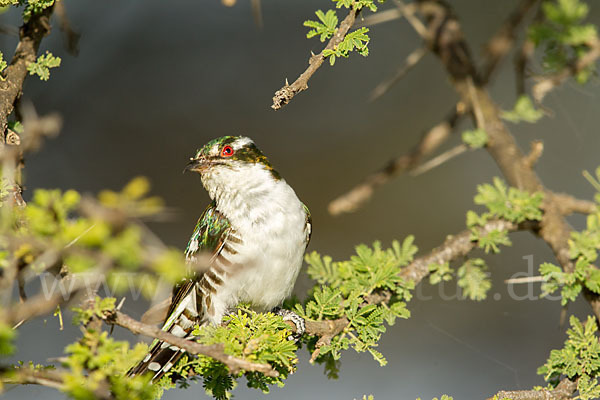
{"x": 156, "y": 80}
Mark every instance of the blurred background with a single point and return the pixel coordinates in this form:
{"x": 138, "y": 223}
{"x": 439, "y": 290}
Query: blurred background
{"x": 155, "y": 81}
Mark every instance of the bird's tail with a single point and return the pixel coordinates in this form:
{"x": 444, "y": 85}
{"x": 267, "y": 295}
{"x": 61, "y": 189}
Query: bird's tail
{"x": 183, "y": 315}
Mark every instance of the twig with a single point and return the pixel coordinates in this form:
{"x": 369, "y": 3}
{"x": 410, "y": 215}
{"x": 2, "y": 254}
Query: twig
{"x": 568, "y": 204}
{"x": 521, "y": 60}
{"x": 72, "y": 37}
{"x": 411, "y": 60}
{"x": 379, "y": 17}
{"x": 408, "y": 11}
{"x": 527, "y": 279}
{"x": 216, "y": 351}
{"x": 537, "y": 148}
{"x": 439, "y": 160}
{"x": 287, "y": 92}
{"x": 430, "y": 141}
{"x": 503, "y": 40}
{"x": 45, "y": 377}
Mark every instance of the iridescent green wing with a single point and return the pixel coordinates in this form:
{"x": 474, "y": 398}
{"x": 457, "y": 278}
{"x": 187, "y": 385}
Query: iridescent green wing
{"x": 308, "y": 224}
{"x": 210, "y": 234}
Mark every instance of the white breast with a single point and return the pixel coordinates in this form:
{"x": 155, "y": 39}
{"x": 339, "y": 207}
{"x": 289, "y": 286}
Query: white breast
{"x": 270, "y": 219}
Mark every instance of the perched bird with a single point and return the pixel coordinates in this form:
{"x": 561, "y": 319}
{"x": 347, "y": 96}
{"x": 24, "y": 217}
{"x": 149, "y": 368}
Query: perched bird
{"x": 256, "y": 229}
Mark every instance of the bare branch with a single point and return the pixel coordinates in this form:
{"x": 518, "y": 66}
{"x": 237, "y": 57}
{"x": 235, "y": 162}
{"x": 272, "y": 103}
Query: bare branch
{"x": 537, "y": 148}
{"x": 287, "y": 92}
{"x": 215, "y": 351}
{"x": 429, "y": 142}
{"x": 411, "y": 60}
{"x": 71, "y": 36}
{"x": 439, "y": 160}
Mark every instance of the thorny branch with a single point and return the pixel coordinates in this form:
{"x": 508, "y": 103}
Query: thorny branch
{"x": 215, "y": 351}
{"x": 287, "y": 92}
{"x": 30, "y": 37}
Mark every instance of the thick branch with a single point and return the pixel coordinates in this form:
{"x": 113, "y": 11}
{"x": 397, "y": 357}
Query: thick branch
{"x": 30, "y": 36}
{"x": 287, "y": 92}
{"x": 215, "y": 351}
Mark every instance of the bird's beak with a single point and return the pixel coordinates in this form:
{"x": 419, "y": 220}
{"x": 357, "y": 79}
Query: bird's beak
{"x": 195, "y": 164}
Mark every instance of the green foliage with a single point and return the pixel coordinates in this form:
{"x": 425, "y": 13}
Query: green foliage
{"x": 89, "y": 234}
{"x": 325, "y": 28}
{"x": 524, "y": 110}
{"x": 34, "y": 7}
{"x": 256, "y": 337}
{"x": 475, "y": 139}
{"x": 473, "y": 279}
{"x": 97, "y": 364}
{"x": 564, "y": 35}
{"x": 511, "y": 203}
{"x": 356, "y": 40}
{"x": 440, "y": 273}
{"x": 351, "y": 287}
{"x": 41, "y": 67}
{"x": 583, "y": 248}
{"x": 579, "y": 358}
{"x": 99, "y": 308}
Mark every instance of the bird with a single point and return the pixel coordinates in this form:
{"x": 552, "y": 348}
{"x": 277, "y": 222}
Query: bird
{"x": 256, "y": 231}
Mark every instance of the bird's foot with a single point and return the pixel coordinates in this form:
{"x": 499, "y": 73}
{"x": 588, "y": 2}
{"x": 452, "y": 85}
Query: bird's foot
{"x": 298, "y": 321}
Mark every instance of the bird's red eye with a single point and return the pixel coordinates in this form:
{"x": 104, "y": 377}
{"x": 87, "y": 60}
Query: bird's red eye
{"x": 227, "y": 151}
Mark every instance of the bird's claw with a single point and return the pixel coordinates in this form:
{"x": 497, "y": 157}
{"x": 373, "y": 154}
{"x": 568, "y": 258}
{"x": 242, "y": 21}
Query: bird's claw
{"x": 298, "y": 321}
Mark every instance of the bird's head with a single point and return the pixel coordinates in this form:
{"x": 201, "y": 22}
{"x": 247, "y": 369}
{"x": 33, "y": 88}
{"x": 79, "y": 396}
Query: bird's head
{"x": 223, "y": 157}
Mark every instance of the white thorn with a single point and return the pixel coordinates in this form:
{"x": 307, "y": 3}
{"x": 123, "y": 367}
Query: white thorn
{"x": 120, "y": 304}
{"x": 286, "y": 82}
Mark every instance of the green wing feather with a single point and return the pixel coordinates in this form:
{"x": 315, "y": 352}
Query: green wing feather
{"x": 209, "y": 235}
